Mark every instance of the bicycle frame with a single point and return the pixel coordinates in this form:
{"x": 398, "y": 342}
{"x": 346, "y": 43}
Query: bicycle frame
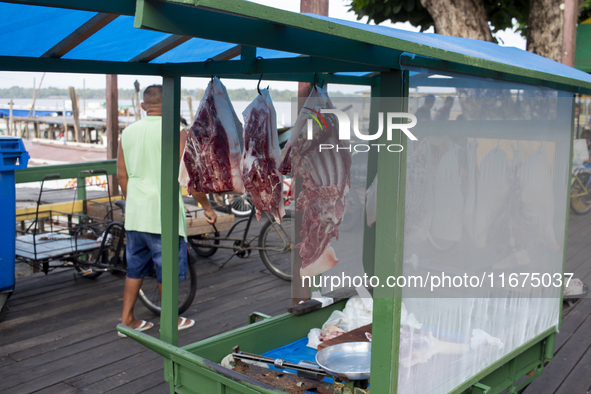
{"x": 243, "y": 245}
{"x": 578, "y": 180}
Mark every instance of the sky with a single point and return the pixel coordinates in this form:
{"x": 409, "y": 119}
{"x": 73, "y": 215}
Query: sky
{"x": 336, "y": 9}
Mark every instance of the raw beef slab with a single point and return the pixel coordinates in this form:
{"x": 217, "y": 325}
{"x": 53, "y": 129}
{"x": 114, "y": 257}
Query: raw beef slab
{"x": 213, "y": 151}
{"x": 262, "y": 180}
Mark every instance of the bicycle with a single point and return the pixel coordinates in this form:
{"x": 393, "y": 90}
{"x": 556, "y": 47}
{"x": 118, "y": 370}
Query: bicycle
{"x": 274, "y": 243}
{"x": 240, "y": 205}
{"x": 580, "y": 198}
{"x": 91, "y": 245}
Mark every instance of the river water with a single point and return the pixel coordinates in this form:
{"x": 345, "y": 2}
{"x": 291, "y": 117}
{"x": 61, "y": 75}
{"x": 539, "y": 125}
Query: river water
{"x": 94, "y": 108}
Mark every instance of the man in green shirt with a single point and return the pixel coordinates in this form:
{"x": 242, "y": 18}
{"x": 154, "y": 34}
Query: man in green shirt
{"x": 139, "y": 175}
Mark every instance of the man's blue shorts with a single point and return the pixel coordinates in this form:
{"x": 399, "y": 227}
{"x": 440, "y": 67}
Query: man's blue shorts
{"x": 144, "y": 251}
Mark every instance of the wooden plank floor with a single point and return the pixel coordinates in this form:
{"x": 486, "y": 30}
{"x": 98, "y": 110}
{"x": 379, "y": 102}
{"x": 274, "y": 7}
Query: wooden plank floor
{"x": 570, "y": 370}
{"x": 59, "y": 335}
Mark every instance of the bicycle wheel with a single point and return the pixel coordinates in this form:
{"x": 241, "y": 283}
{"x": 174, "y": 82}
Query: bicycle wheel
{"x": 276, "y": 241}
{"x": 88, "y": 232}
{"x": 219, "y": 202}
{"x": 241, "y": 205}
{"x": 203, "y": 245}
{"x": 580, "y": 200}
{"x": 150, "y": 295}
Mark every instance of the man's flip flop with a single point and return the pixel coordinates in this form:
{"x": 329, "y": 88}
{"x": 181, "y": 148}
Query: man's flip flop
{"x": 142, "y": 327}
{"x": 184, "y": 326}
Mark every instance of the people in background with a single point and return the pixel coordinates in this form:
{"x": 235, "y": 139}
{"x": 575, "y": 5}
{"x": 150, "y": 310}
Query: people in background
{"x": 424, "y": 113}
{"x": 443, "y": 112}
{"x": 139, "y": 175}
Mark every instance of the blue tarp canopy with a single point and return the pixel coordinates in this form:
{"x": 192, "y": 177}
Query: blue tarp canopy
{"x": 121, "y": 37}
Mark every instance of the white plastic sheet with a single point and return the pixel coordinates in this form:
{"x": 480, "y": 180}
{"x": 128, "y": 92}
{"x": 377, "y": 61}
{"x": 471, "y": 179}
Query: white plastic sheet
{"x": 484, "y": 194}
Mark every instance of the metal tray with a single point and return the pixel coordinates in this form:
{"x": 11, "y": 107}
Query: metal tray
{"x": 351, "y": 360}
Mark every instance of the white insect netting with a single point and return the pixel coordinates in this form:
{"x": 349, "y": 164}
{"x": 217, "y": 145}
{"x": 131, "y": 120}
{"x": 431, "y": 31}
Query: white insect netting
{"x": 486, "y": 193}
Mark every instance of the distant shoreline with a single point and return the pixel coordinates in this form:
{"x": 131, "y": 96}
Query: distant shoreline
{"x": 51, "y": 93}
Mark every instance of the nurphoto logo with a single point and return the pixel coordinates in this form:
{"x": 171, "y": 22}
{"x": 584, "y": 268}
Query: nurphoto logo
{"x": 345, "y": 129}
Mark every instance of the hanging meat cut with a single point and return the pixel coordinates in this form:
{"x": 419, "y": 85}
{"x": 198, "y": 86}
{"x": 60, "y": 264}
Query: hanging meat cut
{"x": 260, "y": 175}
{"x": 213, "y": 151}
{"x": 326, "y": 180}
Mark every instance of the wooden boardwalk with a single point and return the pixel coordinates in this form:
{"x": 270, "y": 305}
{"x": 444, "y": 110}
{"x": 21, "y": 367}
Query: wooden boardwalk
{"x": 59, "y": 335}
{"x": 570, "y": 370}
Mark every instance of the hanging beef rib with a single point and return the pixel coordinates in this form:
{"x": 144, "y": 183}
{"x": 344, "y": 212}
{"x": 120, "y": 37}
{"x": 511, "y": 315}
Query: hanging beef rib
{"x": 326, "y": 180}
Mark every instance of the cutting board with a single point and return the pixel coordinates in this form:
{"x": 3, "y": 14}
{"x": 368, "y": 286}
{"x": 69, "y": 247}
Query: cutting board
{"x": 356, "y": 335}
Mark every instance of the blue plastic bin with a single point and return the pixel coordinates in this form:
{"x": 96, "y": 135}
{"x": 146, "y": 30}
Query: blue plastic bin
{"x": 13, "y": 156}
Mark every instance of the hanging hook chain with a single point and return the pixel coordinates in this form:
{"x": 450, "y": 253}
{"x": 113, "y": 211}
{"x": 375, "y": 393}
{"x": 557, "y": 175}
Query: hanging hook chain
{"x": 259, "y": 84}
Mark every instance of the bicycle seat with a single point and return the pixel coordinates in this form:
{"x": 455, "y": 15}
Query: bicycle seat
{"x": 120, "y": 204}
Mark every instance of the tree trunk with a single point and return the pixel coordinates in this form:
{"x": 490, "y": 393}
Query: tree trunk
{"x": 544, "y": 28}
{"x": 459, "y": 18}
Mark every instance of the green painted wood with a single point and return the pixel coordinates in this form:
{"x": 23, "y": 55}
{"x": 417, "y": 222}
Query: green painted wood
{"x": 509, "y": 74}
{"x": 36, "y": 173}
{"x": 21, "y": 63}
{"x": 196, "y": 364}
{"x": 369, "y": 233}
{"x": 276, "y": 331}
{"x": 302, "y": 64}
{"x": 327, "y": 28}
{"x": 563, "y": 107}
{"x": 180, "y": 19}
{"x": 247, "y": 59}
{"x": 583, "y": 48}
{"x": 490, "y": 370}
{"x": 328, "y": 78}
{"x": 274, "y": 69}
{"x": 171, "y": 109}
{"x": 389, "y": 243}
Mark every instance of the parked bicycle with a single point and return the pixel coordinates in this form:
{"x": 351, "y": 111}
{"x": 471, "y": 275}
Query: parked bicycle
{"x": 50, "y": 239}
{"x": 580, "y": 198}
{"x": 239, "y": 204}
{"x": 274, "y": 242}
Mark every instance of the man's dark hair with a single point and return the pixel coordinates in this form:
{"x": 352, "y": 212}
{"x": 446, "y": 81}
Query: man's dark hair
{"x": 449, "y": 98}
{"x": 429, "y": 99}
{"x": 153, "y": 94}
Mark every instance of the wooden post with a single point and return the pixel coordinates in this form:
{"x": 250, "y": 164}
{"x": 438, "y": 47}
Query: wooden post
{"x": 32, "y": 111}
{"x": 191, "y": 114}
{"x": 301, "y": 292}
{"x": 319, "y": 7}
{"x": 112, "y": 127}
{"x": 136, "y": 106}
{"x": 569, "y": 32}
{"x": 75, "y": 114}
{"x": 169, "y": 215}
{"x": 64, "y": 121}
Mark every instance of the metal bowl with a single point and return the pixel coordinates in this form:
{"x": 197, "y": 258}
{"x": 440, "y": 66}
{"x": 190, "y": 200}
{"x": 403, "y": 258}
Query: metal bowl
{"x": 351, "y": 360}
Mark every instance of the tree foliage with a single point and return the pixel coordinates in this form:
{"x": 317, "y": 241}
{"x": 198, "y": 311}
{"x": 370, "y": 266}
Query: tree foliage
{"x": 501, "y": 14}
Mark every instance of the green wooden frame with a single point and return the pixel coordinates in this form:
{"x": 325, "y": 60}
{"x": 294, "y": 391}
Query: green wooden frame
{"x": 329, "y": 48}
